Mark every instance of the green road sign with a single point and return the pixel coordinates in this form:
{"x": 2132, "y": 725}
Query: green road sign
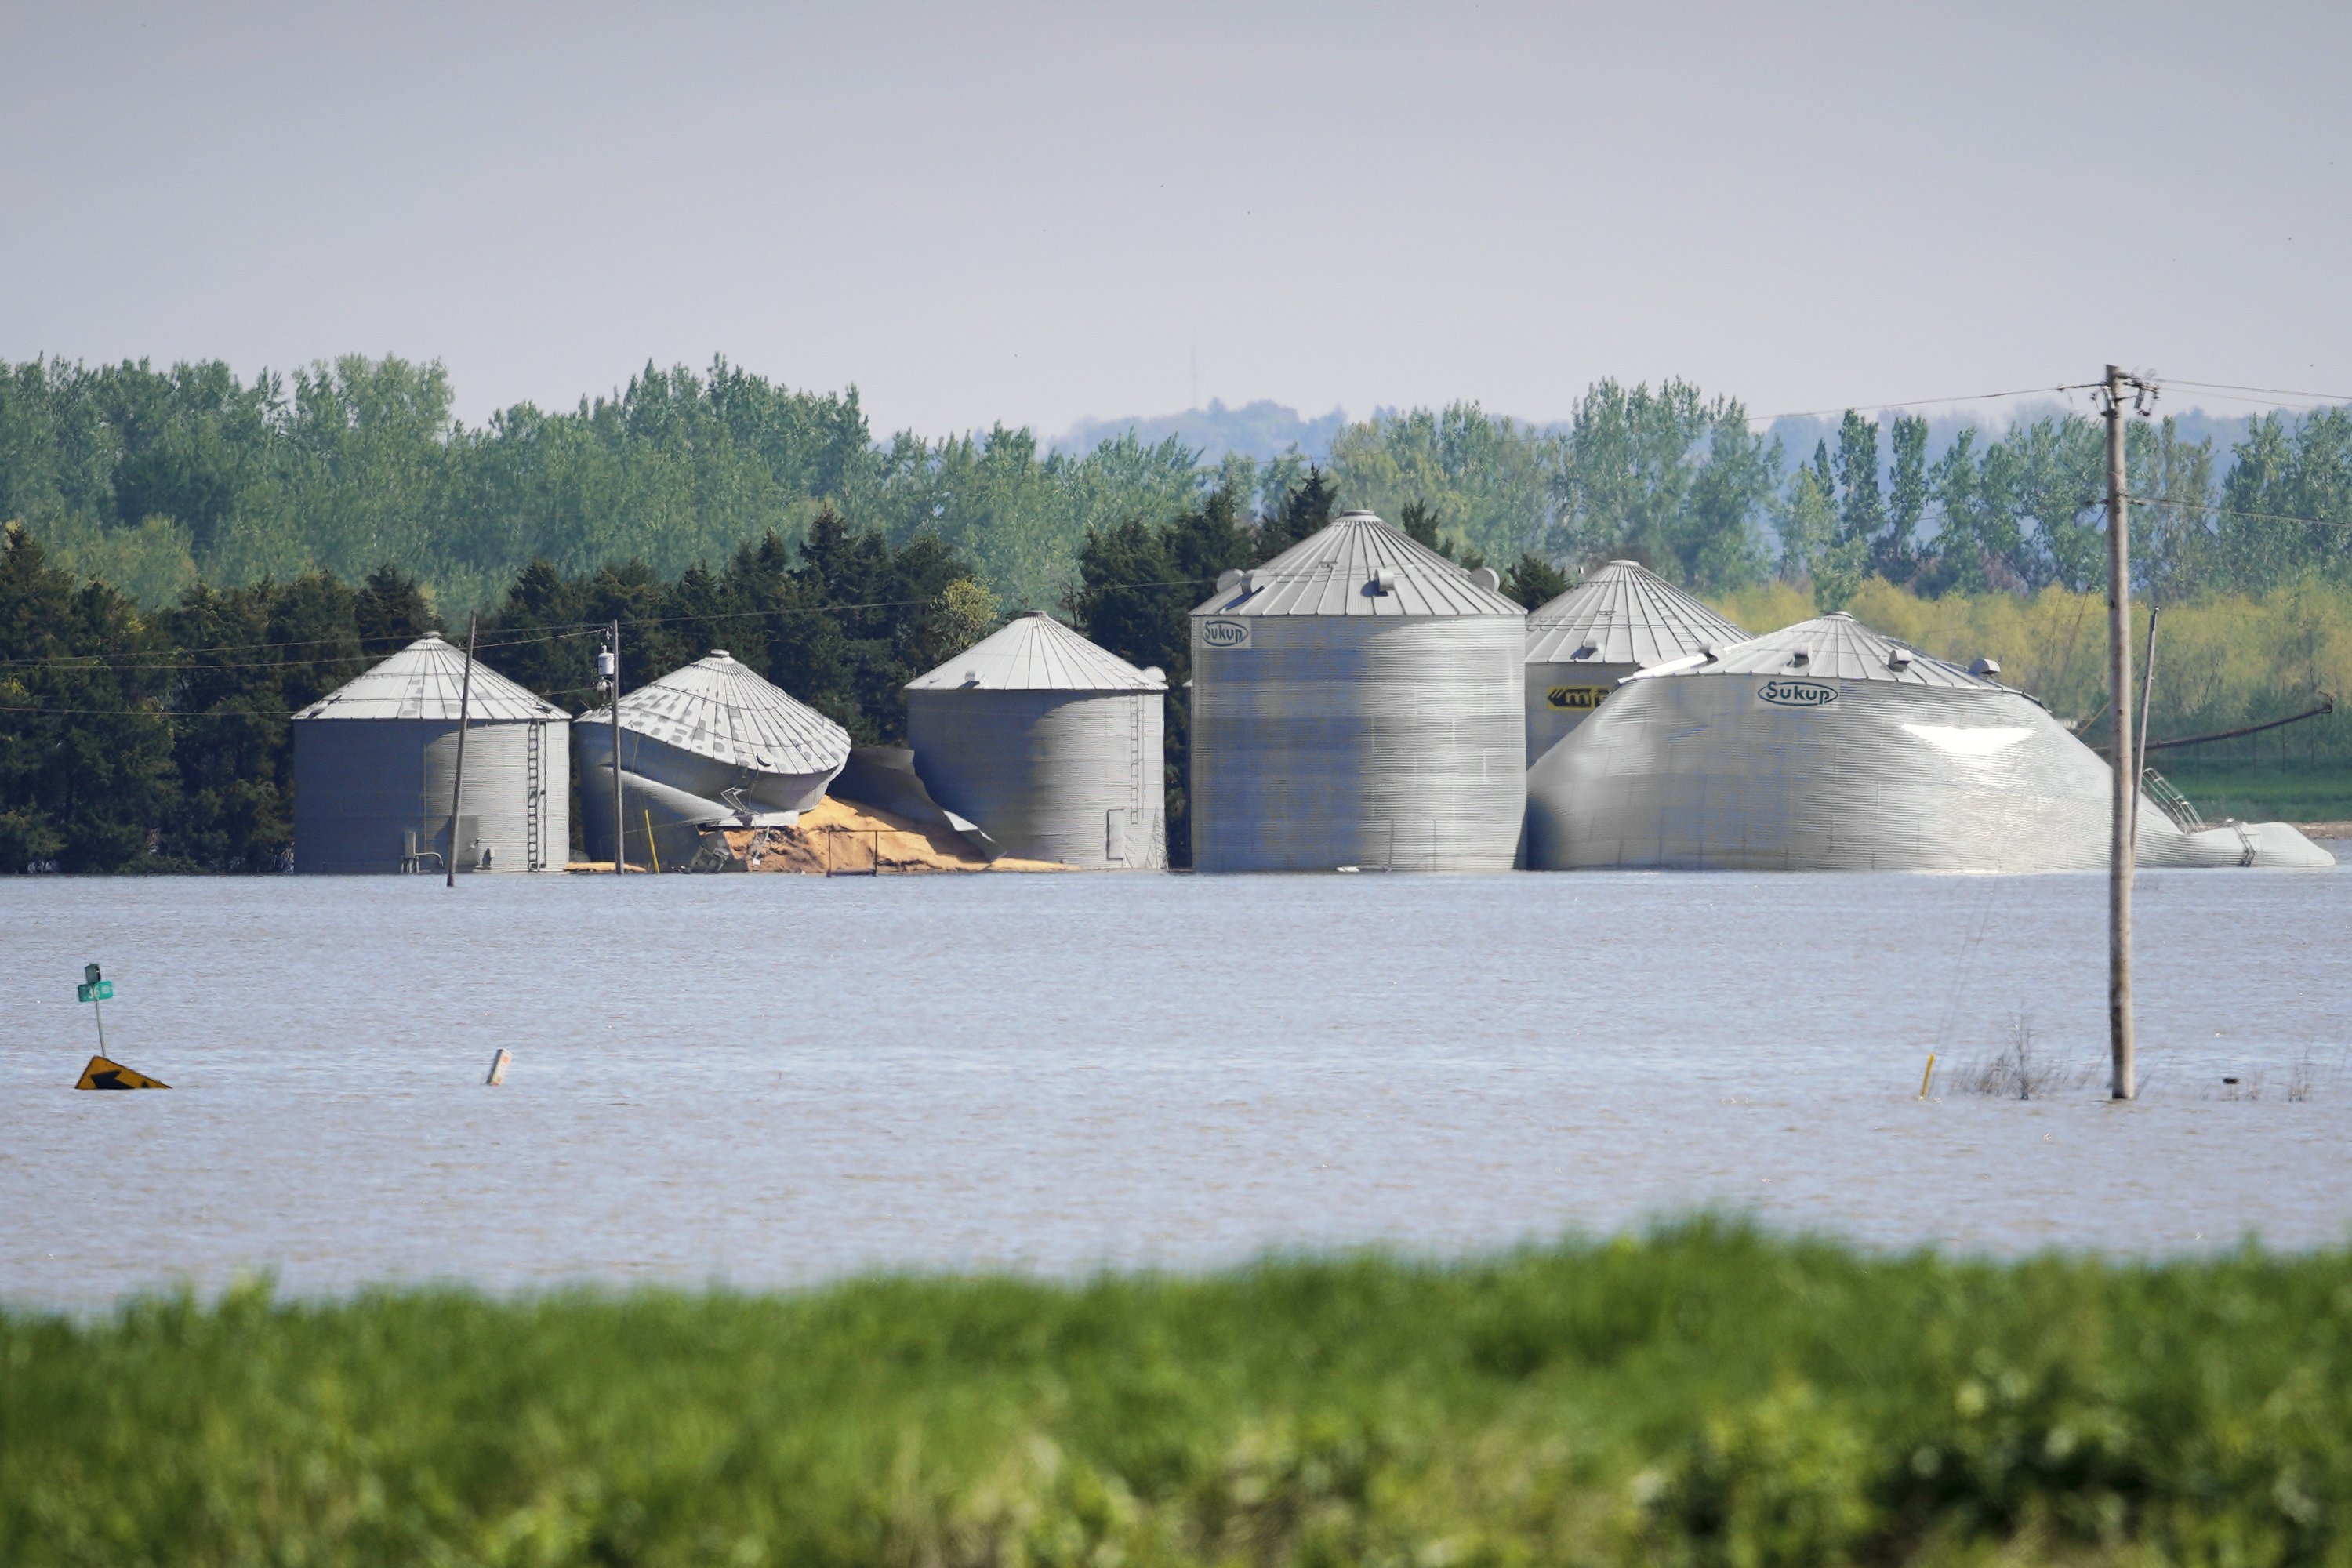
{"x": 101, "y": 992}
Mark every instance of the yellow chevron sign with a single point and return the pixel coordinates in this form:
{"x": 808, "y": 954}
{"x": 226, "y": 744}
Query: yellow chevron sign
{"x": 1575, "y": 696}
{"x": 102, "y": 1073}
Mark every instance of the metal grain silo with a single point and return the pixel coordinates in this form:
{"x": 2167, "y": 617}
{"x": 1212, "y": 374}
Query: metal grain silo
{"x": 374, "y": 760}
{"x": 1050, "y": 744}
{"x": 1826, "y": 747}
{"x": 1622, "y": 619}
{"x": 711, "y": 743}
{"x": 1358, "y": 701}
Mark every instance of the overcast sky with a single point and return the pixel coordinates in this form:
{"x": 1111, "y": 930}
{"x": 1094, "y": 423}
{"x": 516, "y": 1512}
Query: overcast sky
{"x": 1034, "y": 212}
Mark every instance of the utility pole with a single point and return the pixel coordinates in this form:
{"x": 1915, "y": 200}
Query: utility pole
{"x": 457, "y": 782}
{"x": 613, "y": 674}
{"x": 2122, "y": 838}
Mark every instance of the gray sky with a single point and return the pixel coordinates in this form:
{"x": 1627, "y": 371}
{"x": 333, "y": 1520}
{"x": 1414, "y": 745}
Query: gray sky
{"x": 1033, "y": 211}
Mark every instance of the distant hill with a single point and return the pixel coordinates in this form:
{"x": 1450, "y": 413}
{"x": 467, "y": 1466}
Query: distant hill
{"x": 1266, "y": 429}
{"x": 1263, "y": 429}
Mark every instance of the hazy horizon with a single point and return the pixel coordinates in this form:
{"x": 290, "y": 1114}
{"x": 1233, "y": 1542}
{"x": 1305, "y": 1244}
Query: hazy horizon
{"x": 1042, "y": 214}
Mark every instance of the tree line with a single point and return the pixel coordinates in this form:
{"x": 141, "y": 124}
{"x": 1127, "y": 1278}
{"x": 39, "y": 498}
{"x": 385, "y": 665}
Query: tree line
{"x": 132, "y": 741}
{"x": 158, "y": 479}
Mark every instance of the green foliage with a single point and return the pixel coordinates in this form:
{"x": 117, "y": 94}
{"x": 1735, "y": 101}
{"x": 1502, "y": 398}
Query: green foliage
{"x": 130, "y": 742}
{"x": 1705, "y": 1396}
{"x": 1671, "y": 479}
{"x": 1534, "y": 582}
{"x": 1485, "y": 482}
{"x": 843, "y": 623}
{"x": 1137, "y": 587}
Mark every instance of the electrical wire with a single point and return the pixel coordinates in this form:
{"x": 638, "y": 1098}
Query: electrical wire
{"x": 2230, "y": 511}
{"x": 2266, "y": 391}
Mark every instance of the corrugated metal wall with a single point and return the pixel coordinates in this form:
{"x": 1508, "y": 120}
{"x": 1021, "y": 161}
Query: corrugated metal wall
{"x": 366, "y": 790}
{"x": 1700, "y": 772}
{"x": 1562, "y": 696}
{"x": 1337, "y": 740}
{"x": 676, "y": 788}
{"x": 1072, "y": 777}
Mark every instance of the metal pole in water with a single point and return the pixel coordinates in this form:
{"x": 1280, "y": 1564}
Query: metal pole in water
{"x": 620, "y": 845}
{"x": 2122, "y": 751}
{"x": 458, "y": 781}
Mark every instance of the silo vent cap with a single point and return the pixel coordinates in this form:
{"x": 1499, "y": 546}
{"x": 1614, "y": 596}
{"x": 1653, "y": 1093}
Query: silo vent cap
{"x": 1486, "y": 579}
{"x": 1983, "y": 666}
{"x": 720, "y": 653}
{"x": 1383, "y": 580}
{"x": 1898, "y": 657}
{"x": 1153, "y": 672}
{"x": 1802, "y": 656}
{"x": 1229, "y": 579}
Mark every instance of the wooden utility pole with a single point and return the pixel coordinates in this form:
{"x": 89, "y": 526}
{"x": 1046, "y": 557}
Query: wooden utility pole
{"x": 457, "y": 782}
{"x": 2120, "y": 840}
{"x": 620, "y": 844}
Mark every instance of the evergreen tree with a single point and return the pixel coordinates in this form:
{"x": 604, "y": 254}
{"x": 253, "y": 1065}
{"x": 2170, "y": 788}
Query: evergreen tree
{"x": 1304, "y": 512}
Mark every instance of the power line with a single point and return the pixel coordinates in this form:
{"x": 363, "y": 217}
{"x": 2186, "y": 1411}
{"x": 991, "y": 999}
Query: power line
{"x": 1917, "y": 403}
{"x": 2266, "y": 391}
{"x": 2235, "y": 511}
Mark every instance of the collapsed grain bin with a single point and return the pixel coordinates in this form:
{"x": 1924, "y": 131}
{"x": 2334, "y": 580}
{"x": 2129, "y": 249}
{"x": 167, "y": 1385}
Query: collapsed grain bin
{"x": 374, "y": 762}
{"x": 711, "y": 743}
{"x": 1357, "y": 701}
{"x": 1622, "y": 619}
{"x": 1050, "y": 744}
{"x": 1826, "y": 746}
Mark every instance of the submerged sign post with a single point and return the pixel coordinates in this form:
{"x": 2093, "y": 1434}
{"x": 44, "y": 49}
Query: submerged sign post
{"x": 102, "y": 1073}
{"x": 95, "y": 989}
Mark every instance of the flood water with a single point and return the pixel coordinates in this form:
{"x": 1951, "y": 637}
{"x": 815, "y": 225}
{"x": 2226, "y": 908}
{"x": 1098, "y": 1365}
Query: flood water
{"x": 768, "y": 1080}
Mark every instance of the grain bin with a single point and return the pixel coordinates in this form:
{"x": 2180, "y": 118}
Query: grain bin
{"x": 1357, "y": 701}
{"x": 1828, "y": 747}
{"x": 711, "y": 743}
{"x": 374, "y": 760}
{"x": 1050, "y": 744}
{"x": 1622, "y": 619}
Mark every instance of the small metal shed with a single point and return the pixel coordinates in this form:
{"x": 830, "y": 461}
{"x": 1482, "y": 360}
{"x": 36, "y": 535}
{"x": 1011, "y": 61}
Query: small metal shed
{"x": 1050, "y": 744}
{"x": 376, "y": 758}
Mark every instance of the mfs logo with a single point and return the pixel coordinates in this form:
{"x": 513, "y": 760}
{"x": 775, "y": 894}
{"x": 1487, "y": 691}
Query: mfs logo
{"x": 1220, "y": 633}
{"x": 1798, "y": 693}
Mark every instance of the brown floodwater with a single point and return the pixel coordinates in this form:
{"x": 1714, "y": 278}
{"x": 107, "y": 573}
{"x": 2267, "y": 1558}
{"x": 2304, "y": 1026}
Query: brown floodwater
{"x": 765, "y": 1081}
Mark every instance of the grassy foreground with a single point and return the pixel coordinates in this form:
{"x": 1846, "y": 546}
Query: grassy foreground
{"x": 1706, "y": 1394}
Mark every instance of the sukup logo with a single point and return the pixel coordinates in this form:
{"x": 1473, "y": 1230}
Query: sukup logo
{"x": 1224, "y": 634}
{"x": 1798, "y": 693}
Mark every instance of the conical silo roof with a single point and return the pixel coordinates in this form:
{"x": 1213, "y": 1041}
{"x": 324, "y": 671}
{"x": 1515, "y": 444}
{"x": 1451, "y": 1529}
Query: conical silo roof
{"x": 1625, "y": 613}
{"x": 1361, "y": 566}
{"x": 719, "y": 707}
{"x": 425, "y": 680}
{"x": 1035, "y": 652}
{"x": 1835, "y": 646}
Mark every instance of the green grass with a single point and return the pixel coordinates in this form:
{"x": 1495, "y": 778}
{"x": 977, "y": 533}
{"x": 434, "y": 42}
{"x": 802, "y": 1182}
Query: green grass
{"x": 2296, "y": 791}
{"x": 1704, "y": 1395}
